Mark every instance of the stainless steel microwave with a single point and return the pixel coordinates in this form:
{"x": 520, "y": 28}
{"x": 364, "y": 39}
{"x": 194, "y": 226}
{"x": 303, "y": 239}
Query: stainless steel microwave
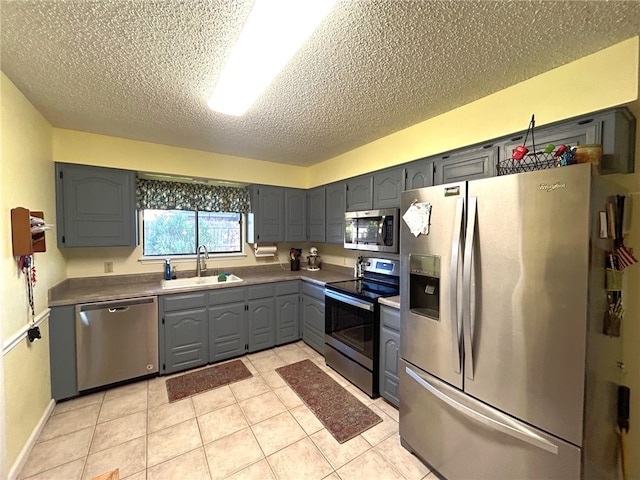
{"x": 372, "y": 230}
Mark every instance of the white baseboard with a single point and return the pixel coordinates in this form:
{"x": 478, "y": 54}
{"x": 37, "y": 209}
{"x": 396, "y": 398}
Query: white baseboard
{"x": 18, "y": 465}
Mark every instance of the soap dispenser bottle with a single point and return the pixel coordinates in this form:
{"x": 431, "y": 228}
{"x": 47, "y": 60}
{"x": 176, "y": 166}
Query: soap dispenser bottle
{"x": 167, "y": 269}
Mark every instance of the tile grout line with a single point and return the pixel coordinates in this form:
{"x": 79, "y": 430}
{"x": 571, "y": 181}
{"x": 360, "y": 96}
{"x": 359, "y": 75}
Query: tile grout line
{"x": 86, "y": 457}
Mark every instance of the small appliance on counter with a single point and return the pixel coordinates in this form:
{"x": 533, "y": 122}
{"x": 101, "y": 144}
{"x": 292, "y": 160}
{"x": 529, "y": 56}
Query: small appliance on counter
{"x": 313, "y": 260}
{"x": 294, "y": 256}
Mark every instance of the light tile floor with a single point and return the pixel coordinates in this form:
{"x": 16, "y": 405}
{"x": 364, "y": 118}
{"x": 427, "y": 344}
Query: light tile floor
{"x": 254, "y": 429}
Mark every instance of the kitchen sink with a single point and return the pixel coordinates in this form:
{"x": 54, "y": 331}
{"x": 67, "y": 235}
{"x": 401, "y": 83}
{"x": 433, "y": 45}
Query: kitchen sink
{"x": 197, "y": 281}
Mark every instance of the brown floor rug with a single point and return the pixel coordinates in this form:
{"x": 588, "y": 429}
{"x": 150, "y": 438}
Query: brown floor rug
{"x": 206, "y": 379}
{"x": 339, "y": 411}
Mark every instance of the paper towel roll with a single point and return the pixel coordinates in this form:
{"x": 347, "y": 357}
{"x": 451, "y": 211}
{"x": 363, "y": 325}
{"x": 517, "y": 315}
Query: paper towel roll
{"x": 265, "y": 250}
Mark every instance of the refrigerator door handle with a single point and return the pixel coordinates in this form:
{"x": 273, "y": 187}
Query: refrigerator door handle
{"x": 455, "y": 266}
{"x": 515, "y": 430}
{"x": 467, "y": 270}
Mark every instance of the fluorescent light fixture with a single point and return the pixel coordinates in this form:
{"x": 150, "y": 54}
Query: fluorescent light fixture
{"x": 274, "y": 31}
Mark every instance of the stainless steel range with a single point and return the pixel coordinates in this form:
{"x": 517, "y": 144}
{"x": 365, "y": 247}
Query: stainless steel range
{"x": 352, "y": 322}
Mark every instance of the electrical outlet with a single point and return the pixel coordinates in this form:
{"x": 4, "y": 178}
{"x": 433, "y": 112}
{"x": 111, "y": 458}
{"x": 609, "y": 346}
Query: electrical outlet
{"x": 108, "y": 267}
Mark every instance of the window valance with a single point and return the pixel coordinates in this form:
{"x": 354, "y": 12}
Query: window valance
{"x": 161, "y": 195}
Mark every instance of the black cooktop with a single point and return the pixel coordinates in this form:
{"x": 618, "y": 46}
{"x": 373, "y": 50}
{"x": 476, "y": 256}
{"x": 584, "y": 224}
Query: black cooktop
{"x": 364, "y": 288}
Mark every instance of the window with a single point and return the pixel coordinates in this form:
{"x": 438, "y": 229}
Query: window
{"x": 179, "y": 232}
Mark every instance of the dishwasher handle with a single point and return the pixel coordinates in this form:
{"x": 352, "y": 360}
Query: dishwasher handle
{"x": 116, "y": 306}
{"x": 118, "y": 309}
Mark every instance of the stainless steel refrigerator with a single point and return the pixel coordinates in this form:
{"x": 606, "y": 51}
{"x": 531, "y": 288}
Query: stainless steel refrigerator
{"x": 505, "y": 373}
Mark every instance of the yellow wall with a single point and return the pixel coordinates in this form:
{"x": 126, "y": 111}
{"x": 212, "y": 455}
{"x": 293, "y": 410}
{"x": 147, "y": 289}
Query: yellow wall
{"x": 595, "y": 82}
{"x": 27, "y": 172}
{"x": 91, "y": 149}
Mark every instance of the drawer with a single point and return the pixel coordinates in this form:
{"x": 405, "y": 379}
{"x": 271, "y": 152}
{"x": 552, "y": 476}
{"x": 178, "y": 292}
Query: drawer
{"x": 184, "y": 301}
{"x": 261, "y": 291}
{"x": 390, "y": 317}
{"x": 287, "y": 288}
{"x": 226, "y": 295}
{"x": 313, "y": 290}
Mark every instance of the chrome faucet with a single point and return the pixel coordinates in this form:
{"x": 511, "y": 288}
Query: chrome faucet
{"x": 201, "y": 265}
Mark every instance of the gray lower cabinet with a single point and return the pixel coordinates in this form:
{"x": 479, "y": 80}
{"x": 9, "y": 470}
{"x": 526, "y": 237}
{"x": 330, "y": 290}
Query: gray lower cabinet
{"x": 227, "y": 324}
{"x": 313, "y": 316}
{"x": 389, "y": 353}
{"x": 95, "y": 206}
{"x": 185, "y": 332}
{"x": 287, "y": 312}
{"x": 261, "y": 317}
{"x": 62, "y": 352}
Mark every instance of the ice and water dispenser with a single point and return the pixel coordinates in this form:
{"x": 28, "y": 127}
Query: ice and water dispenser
{"x": 424, "y": 285}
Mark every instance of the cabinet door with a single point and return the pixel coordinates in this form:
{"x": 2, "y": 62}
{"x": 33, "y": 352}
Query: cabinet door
{"x": 313, "y": 319}
{"x": 360, "y": 193}
{"x": 95, "y": 206}
{"x": 261, "y": 321}
{"x": 186, "y": 337}
{"x": 617, "y": 130}
{"x": 387, "y": 187}
{"x": 268, "y": 208}
{"x": 295, "y": 215}
{"x": 62, "y": 352}
{"x": 389, "y": 353}
{"x": 288, "y": 319}
{"x": 316, "y": 215}
{"x": 389, "y": 382}
{"x": 466, "y": 165}
{"x": 419, "y": 174}
{"x": 336, "y": 205}
{"x": 227, "y": 331}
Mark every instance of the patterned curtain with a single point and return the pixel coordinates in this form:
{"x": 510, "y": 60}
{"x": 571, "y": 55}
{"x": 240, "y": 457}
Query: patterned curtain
{"x": 159, "y": 195}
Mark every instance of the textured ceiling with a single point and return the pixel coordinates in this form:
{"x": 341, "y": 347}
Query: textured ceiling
{"x": 145, "y": 69}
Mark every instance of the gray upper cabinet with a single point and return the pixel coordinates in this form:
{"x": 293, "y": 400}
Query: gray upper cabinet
{"x": 95, "y": 206}
{"x": 267, "y": 206}
{"x": 316, "y": 219}
{"x": 419, "y": 174}
{"x": 227, "y": 324}
{"x": 617, "y": 135}
{"x": 336, "y": 204}
{"x": 387, "y": 187}
{"x": 313, "y": 316}
{"x": 295, "y": 215}
{"x": 577, "y": 132}
{"x": 359, "y": 193}
{"x": 466, "y": 165}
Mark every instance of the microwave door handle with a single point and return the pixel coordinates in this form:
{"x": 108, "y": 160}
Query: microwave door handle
{"x": 453, "y": 286}
{"x": 382, "y": 230}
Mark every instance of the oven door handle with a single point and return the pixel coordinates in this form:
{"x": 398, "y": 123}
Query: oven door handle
{"x": 349, "y": 300}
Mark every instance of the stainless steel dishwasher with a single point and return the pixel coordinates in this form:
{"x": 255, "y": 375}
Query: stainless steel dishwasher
{"x": 116, "y": 341}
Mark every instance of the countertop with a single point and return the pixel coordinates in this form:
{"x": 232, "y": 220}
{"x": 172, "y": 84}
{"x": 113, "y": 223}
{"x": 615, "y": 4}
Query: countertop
{"x": 390, "y": 301}
{"x": 117, "y": 287}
